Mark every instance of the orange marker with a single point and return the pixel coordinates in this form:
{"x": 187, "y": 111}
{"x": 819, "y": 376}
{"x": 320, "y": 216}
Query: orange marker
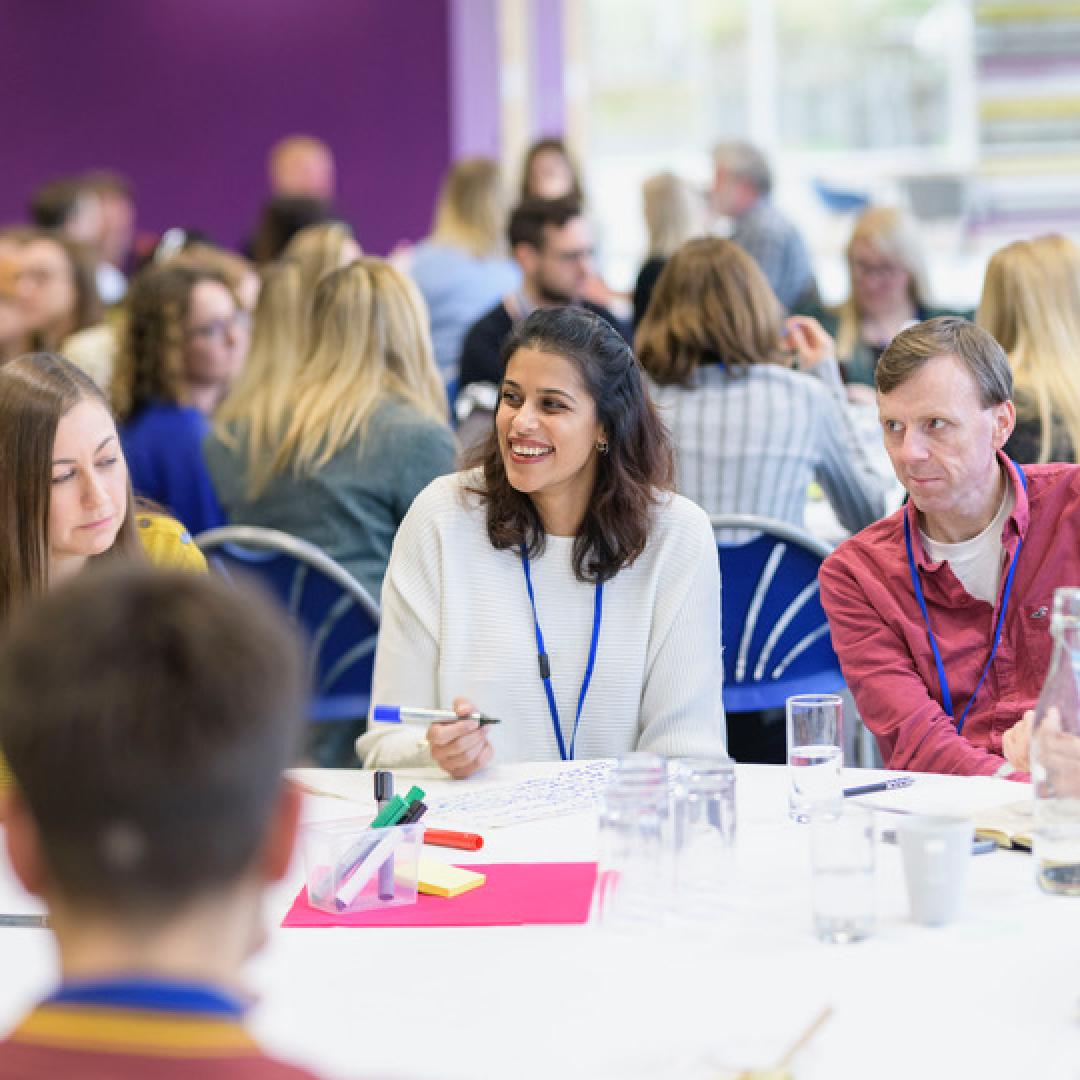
{"x": 465, "y": 841}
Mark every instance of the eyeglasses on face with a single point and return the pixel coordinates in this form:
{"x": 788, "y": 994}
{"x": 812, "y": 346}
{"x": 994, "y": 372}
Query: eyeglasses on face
{"x": 217, "y": 328}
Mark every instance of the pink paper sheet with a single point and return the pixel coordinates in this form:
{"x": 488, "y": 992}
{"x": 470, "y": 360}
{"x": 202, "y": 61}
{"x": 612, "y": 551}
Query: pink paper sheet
{"x": 515, "y": 894}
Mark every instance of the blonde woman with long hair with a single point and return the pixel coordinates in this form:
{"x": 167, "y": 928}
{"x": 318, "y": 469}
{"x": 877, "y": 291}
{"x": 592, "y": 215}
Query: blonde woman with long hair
{"x": 319, "y": 249}
{"x": 674, "y": 213}
{"x": 367, "y": 426}
{"x": 889, "y": 291}
{"x": 462, "y": 268}
{"x": 1031, "y": 304}
{"x": 254, "y": 413}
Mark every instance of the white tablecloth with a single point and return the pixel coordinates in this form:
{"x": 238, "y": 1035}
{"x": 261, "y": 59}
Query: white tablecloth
{"x": 996, "y": 994}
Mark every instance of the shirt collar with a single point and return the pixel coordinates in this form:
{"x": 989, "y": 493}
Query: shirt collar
{"x": 147, "y": 992}
{"x": 1014, "y": 529}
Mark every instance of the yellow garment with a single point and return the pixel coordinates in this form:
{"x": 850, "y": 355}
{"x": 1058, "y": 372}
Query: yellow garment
{"x": 167, "y": 544}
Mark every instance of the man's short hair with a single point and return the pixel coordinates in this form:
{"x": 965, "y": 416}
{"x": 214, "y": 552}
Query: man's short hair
{"x": 147, "y": 717}
{"x": 947, "y": 335}
{"x": 746, "y": 162}
{"x": 531, "y": 216}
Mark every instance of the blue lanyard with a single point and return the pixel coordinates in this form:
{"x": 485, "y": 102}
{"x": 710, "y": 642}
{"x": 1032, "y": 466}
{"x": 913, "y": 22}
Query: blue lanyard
{"x": 545, "y": 666}
{"x": 946, "y": 696}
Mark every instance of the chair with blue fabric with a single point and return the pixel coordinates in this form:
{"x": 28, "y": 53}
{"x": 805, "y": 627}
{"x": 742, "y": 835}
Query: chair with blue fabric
{"x": 775, "y": 635}
{"x": 337, "y": 614}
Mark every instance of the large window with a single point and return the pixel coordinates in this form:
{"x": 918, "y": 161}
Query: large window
{"x": 849, "y": 95}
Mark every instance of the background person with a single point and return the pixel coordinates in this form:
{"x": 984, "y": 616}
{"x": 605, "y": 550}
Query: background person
{"x": 552, "y": 243}
{"x": 151, "y": 842}
{"x": 302, "y": 165}
{"x": 569, "y": 524}
{"x": 742, "y": 190}
{"x": 674, "y": 213}
{"x": 252, "y": 418}
{"x": 462, "y": 267}
{"x": 889, "y": 291}
{"x": 318, "y": 249}
{"x": 750, "y": 429}
{"x": 364, "y": 429}
{"x": 548, "y": 172}
{"x": 1031, "y": 304}
{"x": 180, "y": 353}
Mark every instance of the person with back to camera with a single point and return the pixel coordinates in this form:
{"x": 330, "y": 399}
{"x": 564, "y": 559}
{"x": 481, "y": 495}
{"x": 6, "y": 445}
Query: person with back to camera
{"x": 750, "y": 429}
{"x": 318, "y": 249}
{"x": 674, "y": 213}
{"x": 149, "y": 717}
{"x": 1031, "y": 304}
{"x": 940, "y": 612}
{"x": 742, "y": 191}
{"x": 365, "y": 428}
{"x": 565, "y": 531}
{"x": 179, "y": 356}
{"x": 462, "y": 268}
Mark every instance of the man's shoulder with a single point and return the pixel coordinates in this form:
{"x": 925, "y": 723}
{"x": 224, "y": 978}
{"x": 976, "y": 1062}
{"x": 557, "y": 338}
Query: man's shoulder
{"x": 1056, "y": 474}
{"x": 495, "y": 320}
{"x": 878, "y": 546}
{"x": 51, "y": 1042}
{"x": 608, "y": 316}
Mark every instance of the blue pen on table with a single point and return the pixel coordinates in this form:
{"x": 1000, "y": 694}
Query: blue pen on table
{"x": 891, "y": 784}
{"x": 404, "y": 714}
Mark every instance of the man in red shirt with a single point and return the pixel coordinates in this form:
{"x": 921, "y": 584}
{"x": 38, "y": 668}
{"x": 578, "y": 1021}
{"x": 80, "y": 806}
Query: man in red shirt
{"x": 940, "y": 613}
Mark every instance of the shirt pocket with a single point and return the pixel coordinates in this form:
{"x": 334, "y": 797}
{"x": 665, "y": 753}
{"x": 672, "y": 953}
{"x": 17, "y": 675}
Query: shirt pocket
{"x": 1034, "y": 649}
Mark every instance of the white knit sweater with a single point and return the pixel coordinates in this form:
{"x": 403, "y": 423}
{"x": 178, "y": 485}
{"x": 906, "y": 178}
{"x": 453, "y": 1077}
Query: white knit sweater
{"x": 456, "y": 622}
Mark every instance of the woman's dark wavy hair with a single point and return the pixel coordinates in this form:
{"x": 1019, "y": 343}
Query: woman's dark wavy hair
{"x": 630, "y": 476}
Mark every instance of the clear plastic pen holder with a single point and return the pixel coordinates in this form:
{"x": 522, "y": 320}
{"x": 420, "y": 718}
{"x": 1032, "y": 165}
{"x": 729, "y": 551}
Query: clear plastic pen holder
{"x": 351, "y": 867}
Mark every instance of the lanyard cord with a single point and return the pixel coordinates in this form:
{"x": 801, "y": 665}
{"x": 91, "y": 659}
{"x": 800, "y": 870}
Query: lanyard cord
{"x": 946, "y": 696}
{"x": 545, "y": 665}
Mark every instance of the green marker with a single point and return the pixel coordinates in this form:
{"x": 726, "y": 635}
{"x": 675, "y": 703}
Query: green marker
{"x": 396, "y": 808}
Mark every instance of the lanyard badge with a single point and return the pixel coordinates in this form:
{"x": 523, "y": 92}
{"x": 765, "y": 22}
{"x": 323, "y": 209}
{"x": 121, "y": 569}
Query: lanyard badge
{"x": 946, "y": 695}
{"x": 545, "y": 666}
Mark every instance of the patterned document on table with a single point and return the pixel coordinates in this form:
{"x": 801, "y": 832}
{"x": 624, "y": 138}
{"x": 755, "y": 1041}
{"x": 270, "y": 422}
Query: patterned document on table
{"x": 575, "y": 790}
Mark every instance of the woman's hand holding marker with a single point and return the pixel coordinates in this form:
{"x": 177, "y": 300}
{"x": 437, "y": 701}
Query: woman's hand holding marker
{"x": 461, "y": 747}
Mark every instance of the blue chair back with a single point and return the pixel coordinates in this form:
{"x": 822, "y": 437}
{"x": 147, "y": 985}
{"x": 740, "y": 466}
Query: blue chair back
{"x": 336, "y": 613}
{"x": 775, "y": 635}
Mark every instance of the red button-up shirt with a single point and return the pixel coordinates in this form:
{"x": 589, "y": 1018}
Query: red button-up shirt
{"x": 880, "y": 635}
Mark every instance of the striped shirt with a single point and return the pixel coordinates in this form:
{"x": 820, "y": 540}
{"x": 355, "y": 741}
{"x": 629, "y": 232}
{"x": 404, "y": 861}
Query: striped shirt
{"x": 750, "y": 443}
{"x": 137, "y": 1028}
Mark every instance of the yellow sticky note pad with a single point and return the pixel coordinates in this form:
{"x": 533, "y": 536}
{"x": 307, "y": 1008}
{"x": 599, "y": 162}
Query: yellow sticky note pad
{"x": 440, "y": 879}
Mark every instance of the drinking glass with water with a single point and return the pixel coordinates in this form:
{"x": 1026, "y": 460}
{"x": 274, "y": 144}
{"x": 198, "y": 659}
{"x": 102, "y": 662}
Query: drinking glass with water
{"x": 815, "y": 752}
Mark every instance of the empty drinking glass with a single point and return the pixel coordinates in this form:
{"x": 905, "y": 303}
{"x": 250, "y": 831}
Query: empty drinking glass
{"x": 842, "y": 842}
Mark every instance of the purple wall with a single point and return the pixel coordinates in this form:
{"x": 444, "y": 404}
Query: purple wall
{"x": 186, "y": 96}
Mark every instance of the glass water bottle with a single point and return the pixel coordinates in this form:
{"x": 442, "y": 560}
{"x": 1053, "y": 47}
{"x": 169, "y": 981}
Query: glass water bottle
{"x": 1055, "y": 755}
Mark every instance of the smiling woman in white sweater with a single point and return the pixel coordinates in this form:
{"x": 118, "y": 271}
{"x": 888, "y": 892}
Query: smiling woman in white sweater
{"x": 563, "y": 552}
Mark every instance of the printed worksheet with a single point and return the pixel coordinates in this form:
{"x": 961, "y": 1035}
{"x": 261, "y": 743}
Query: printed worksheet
{"x": 575, "y": 789}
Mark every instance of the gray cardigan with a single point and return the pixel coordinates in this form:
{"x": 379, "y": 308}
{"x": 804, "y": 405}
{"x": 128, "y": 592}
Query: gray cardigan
{"x": 353, "y": 505}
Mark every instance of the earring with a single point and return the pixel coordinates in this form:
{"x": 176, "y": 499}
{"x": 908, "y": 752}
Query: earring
{"x": 601, "y": 446}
